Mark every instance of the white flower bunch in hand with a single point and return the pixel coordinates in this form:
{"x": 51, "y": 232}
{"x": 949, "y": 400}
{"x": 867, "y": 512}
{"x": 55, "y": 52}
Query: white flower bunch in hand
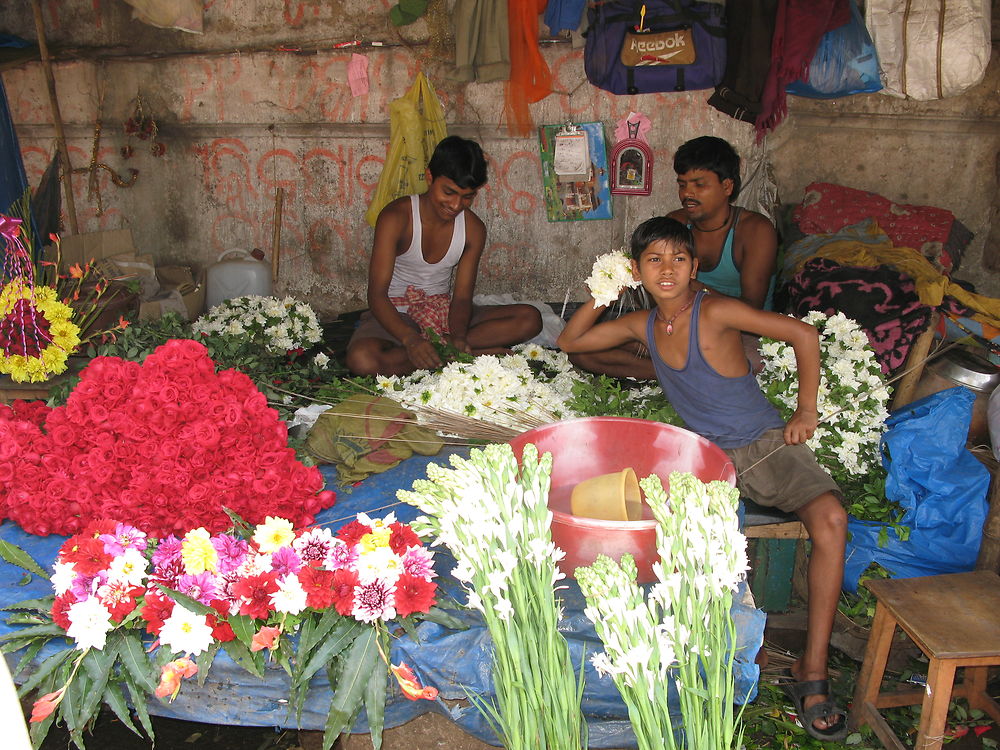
{"x": 612, "y": 272}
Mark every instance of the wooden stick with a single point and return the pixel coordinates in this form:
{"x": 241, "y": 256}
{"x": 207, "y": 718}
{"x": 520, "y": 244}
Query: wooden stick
{"x": 279, "y": 199}
{"x": 67, "y": 166}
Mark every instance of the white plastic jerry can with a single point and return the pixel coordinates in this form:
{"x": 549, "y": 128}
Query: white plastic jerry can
{"x": 236, "y": 274}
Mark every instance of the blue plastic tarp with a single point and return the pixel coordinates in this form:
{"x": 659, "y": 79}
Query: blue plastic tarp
{"x": 456, "y": 662}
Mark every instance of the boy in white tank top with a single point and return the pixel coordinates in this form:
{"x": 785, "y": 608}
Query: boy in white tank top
{"x": 422, "y": 274}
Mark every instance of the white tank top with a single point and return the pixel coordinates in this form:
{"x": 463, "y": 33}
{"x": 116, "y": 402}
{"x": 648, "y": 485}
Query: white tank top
{"x": 412, "y": 270}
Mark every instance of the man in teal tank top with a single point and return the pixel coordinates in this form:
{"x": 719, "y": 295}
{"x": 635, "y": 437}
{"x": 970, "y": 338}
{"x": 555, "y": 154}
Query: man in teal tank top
{"x": 736, "y": 247}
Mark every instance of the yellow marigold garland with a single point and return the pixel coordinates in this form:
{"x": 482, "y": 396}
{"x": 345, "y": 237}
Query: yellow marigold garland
{"x": 62, "y": 339}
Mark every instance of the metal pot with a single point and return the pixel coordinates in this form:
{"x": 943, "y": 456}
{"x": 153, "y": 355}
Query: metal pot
{"x": 962, "y": 367}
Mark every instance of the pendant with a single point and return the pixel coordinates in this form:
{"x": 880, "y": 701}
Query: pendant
{"x": 670, "y": 329}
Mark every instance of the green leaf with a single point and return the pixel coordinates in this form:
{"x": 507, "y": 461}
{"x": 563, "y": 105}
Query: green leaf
{"x": 186, "y": 601}
{"x": 445, "y": 618}
{"x": 244, "y": 628}
{"x": 250, "y": 661}
{"x": 37, "y": 731}
{"x": 134, "y": 659}
{"x": 43, "y": 605}
{"x": 359, "y": 661}
{"x": 97, "y": 665}
{"x": 342, "y": 635}
{"x": 204, "y": 661}
{"x": 70, "y": 707}
{"x": 241, "y": 528}
{"x": 29, "y": 655}
{"x": 315, "y": 635}
{"x": 375, "y": 693}
{"x": 50, "y": 629}
{"x": 17, "y": 556}
{"x": 138, "y": 699}
{"x": 46, "y": 668}
{"x": 115, "y": 700}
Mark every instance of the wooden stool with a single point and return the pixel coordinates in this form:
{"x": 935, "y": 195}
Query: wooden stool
{"x": 954, "y": 620}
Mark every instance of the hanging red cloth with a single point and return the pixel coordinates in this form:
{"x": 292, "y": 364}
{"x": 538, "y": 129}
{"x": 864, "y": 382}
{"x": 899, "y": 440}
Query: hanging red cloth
{"x": 530, "y": 78}
{"x": 799, "y": 26}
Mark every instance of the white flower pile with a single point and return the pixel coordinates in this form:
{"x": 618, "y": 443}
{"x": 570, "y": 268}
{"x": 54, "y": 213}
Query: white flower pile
{"x": 612, "y": 272}
{"x": 496, "y": 389}
{"x": 852, "y": 396}
{"x": 279, "y": 325}
{"x": 492, "y": 512}
{"x": 683, "y": 630}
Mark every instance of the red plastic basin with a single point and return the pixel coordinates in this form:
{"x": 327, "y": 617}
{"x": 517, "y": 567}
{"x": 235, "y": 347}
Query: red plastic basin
{"x": 588, "y": 447}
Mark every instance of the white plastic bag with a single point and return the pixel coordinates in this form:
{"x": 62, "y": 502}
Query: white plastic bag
{"x": 930, "y": 49}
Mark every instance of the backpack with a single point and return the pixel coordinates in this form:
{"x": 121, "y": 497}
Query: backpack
{"x": 647, "y": 46}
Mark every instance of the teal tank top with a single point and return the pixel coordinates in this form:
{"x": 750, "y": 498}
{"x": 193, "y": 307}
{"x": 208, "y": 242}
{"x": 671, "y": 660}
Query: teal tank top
{"x": 725, "y": 277}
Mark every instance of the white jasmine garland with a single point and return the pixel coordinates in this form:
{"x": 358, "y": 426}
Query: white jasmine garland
{"x": 611, "y": 273}
{"x": 852, "y": 400}
{"x": 497, "y": 389}
{"x": 279, "y": 325}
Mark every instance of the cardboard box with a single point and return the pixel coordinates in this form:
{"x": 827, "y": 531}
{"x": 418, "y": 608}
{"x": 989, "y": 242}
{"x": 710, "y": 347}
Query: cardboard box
{"x": 181, "y": 291}
{"x": 82, "y": 248}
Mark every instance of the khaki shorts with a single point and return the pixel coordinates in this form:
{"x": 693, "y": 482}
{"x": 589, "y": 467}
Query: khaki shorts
{"x": 786, "y": 479}
{"x": 370, "y": 328}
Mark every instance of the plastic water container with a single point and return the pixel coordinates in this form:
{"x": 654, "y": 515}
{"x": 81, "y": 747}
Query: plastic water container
{"x": 236, "y": 274}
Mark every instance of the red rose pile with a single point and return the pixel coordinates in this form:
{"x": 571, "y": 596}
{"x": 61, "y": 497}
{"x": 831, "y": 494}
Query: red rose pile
{"x": 164, "y": 445}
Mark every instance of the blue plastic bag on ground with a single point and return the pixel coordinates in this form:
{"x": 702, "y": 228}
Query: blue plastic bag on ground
{"x": 845, "y": 63}
{"x": 941, "y": 486}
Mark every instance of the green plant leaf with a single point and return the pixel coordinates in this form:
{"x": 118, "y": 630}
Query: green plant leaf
{"x": 50, "y": 629}
{"x": 204, "y": 661}
{"x": 244, "y": 628}
{"x": 344, "y": 633}
{"x": 138, "y": 700}
{"x": 69, "y": 708}
{"x": 134, "y": 659}
{"x": 308, "y": 639}
{"x": 241, "y": 528}
{"x": 115, "y": 700}
{"x": 186, "y": 601}
{"x": 250, "y": 661}
{"x": 17, "y": 556}
{"x": 359, "y": 661}
{"x": 375, "y": 696}
{"x": 46, "y": 668}
{"x": 29, "y": 655}
{"x": 97, "y": 665}
{"x": 43, "y": 605}
{"x": 445, "y": 618}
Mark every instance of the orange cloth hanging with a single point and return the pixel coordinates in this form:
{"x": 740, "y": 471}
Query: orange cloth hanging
{"x": 530, "y": 78}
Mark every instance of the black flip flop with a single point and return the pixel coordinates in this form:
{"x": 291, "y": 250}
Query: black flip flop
{"x": 798, "y": 691}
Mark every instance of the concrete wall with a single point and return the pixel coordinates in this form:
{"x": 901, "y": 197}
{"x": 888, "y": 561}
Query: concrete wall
{"x": 240, "y": 117}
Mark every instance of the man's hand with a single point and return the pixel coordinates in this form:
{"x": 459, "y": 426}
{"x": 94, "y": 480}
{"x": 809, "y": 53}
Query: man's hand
{"x": 800, "y": 427}
{"x": 422, "y": 353}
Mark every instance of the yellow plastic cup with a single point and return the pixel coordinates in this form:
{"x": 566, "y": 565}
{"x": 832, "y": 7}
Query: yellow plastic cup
{"x": 608, "y": 497}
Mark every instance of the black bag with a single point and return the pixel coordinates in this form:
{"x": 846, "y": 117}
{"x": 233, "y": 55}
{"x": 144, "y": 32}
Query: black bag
{"x": 648, "y": 46}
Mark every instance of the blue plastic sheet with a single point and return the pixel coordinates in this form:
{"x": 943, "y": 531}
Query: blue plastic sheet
{"x": 941, "y": 486}
{"x": 457, "y": 662}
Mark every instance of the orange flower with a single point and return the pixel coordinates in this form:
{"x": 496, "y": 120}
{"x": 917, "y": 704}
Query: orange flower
{"x": 171, "y": 675}
{"x": 123, "y": 324}
{"x": 266, "y": 637}
{"x": 76, "y": 272}
{"x": 410, "y": 685}
{"x": 46, "y": 704}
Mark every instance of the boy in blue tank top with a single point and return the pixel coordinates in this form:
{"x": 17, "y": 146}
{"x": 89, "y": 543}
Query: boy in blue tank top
{"x": 694, "y": 340}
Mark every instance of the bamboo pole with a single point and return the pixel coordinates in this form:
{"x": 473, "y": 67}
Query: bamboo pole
{"x": 67, "y": 165}
{"x": 279, "y": 199}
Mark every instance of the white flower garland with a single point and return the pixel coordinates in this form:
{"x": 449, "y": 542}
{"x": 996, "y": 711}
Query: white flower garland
{"x": 612, "y": 272}
{"x": 852, "y": 397}
{"x": 280, "y": 325}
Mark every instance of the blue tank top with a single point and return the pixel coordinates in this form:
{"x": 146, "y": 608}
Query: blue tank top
{"x": 731, "y": 412}
{"x": 725, "y": 277}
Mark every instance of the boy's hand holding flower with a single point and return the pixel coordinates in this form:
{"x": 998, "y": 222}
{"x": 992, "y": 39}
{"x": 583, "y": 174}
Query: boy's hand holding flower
{"x": 612, "y": 272}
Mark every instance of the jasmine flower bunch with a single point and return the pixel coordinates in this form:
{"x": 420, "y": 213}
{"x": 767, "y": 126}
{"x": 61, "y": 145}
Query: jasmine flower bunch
{"x": 852, "y": 396}
{"x": 279, "y": 325}
{"x": 611, "y": 273}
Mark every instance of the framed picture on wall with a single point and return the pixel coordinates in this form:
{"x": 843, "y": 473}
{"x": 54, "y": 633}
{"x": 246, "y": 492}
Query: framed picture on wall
{"x": 631, "y": 167}
{"x": 575, "y": 180}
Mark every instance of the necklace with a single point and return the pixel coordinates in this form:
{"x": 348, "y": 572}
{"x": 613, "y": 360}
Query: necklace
{"x": 729, "y": 215}
{"x": 670, "y": 323}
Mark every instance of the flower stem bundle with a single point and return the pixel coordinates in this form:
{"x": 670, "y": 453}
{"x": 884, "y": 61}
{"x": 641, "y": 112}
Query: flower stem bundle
{"x": 682, "y": 631}
{"x": 494, "y": 518}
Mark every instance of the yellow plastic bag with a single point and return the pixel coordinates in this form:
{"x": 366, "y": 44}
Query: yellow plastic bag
{"x": 416, "y": 126}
